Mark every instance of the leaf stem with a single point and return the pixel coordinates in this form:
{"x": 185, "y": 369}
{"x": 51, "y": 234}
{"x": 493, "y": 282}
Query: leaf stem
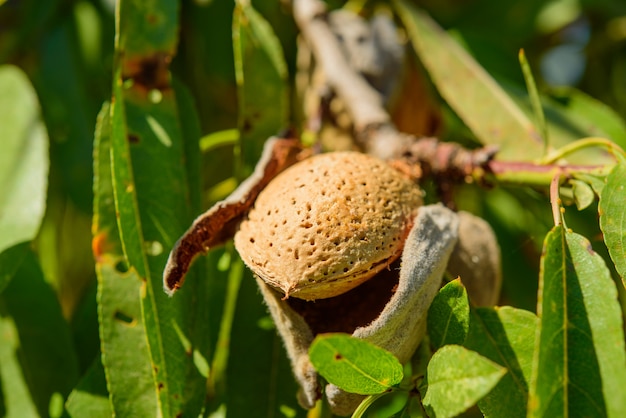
{"x": 581, "y": 144}
{"x": 535, "y": 101}
{"x": 534, "y": 174}
{"x": 215, "y": 382}
{"x": 367, "y": 402}
{"x": 555, "y": 200}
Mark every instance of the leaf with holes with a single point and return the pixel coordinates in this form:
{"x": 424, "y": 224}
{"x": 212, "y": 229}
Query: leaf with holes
{"x": 154, "y": 196}
{"x": 448, "y": 315}
{"x": 613, "y": 217}
{"x": 355, "y": 365}
{"x": 261, "y": 80}
{"x": 579, "y": 318}
{"x": 122, "y": 333}
{"x": 456, "y": 379}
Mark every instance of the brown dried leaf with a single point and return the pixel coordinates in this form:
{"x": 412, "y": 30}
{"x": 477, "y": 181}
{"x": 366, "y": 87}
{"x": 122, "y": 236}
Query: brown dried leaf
{"x": 218, "y": 224}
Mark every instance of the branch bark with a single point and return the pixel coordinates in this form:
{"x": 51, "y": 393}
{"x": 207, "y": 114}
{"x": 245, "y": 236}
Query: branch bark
{"x": 373, "y": 128}
{"x": 378, "y": 136}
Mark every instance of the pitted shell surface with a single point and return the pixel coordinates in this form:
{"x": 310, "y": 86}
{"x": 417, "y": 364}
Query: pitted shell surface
{"x": 327, "y": 224}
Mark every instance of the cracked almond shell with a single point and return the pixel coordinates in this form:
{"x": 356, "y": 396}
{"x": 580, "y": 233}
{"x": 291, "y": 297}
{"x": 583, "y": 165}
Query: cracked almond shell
{"x": 327, "y": 224}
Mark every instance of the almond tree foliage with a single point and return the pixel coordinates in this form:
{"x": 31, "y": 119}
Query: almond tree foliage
{"x": 122, "y": 122}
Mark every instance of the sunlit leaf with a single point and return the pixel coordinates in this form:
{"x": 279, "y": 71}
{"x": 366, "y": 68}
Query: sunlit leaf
{"x": 580, "y": 318}
{"x": 448, "y": 315}
{"x": 16, "y": 399}
{"x": 153, "y": 196}
{"x": 535, "y": 101}
{"x": 261, "y": 82}
{"x": 122, "y": 333}
{"x": 355, "y": 365}
{"x": 262, "y": 96}
{"x": 23, "y": 167}
{"x": 457, "y": 378}
{"x": 613, "y": 217}
{"x": 473, "y": 94}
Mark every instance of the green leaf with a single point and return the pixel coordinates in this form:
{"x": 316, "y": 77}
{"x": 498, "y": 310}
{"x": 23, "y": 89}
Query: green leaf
{"x": 471, "y": 92}
{"x": 42, "y": 340}
{"x": 155, "y": 196}
{"x": 256, "y": 359}
{"x": 145, "y": 28}
{"x": 150, "y": 222}
{"x": 596, "y": 182}
{"x": 505, "y": 336}
{"x": 533, "y": 95}
{"x": 579, "y": 367}
{"x": 448, "y": 315}
{"x": 90, "y": 398}
{"x": 23, "y": 167}
{"x": 261, "y": 74}
{"x": 613, "y": 217}
{"x": 15, "y": 400}
{"x": 457, "y": 378}
{"x": 10, "y": 261}
{"x": 355, "y": 365}
{"x": 219, "y": 139}
{"x": 412, "y": 409}
{"x": 123, "y": 336}
{"x": 583, "y": 194}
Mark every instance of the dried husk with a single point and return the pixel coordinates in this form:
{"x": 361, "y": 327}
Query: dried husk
{"x": 399, "y": 327}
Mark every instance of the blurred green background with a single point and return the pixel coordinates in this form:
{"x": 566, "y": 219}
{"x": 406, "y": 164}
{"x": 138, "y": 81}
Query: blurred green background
{"x": 66, "y": 49}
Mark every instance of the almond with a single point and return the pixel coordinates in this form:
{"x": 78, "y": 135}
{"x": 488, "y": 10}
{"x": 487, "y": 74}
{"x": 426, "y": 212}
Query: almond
{"x": 327, "y": 224}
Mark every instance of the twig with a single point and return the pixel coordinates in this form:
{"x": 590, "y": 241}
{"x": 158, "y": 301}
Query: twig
{"x": 373, "y": 127}
{"x": 363, "y": 101}
{"x": 378, "y": 136}
{"x": 555, "y": 200}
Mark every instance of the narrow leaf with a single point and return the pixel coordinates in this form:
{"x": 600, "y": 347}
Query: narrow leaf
{"x": 448, "y": 315}
{"x": 261, "y": 82}
{"x": 535, "y": 102}
{"x": 505, "y": 336}
{"x": 123, "y": 336}
{"x": 16, "y": 401}
{"x": 583, "y": 194}
{"x": 579, "y": 367}
{"x": 263, "y": 99}
{"x": 457, "y": 378}
{"x": 473, "y": 94}
{"x": 153, "y": 195}
{"x": 355, "y": 365}
{"x": 613, "y": 217}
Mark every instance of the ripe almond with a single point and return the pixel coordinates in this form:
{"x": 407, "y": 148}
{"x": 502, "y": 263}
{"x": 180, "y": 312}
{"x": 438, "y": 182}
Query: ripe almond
{"x": 327, "y": 224}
